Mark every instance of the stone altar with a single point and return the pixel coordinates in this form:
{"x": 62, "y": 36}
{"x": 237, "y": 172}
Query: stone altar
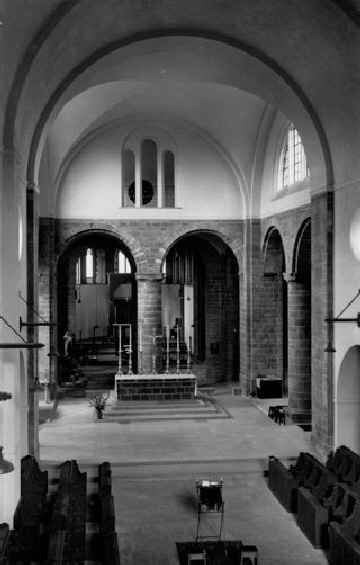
{"x": 155, "y": 386}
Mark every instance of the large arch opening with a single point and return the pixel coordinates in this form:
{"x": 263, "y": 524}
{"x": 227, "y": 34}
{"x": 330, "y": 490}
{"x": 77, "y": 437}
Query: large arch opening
{"x": 195, "y": 114}
{"x": 274, "y": 326}
{"x": 348, "y": 400}
{"x": 299, "y": 330}
{"x": 200, "y": 294}
{"x": 96, "y": 294}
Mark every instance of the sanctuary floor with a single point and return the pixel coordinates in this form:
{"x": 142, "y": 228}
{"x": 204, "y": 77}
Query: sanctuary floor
{"x": 155, "y": 465}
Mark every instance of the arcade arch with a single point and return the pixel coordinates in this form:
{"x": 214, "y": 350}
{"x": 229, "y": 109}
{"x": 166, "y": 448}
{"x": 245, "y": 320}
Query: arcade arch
{"x": 94, "y": 292}
{"x": 299, "y": 285}
{"x": 274, "y": 326}
{"x": 200, "y": 293}
{"x": 348, "y": 400}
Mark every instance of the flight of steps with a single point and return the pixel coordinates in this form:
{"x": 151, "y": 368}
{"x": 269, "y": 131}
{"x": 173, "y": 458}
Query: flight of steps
{"x": 100, "y": 378}
{"x": 99, "y": 372}
{"x": 199, "y": 370}
{"x": 127, "y": 411}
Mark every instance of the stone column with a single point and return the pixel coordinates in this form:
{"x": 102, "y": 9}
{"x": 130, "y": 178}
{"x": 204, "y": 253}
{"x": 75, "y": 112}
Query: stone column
{"x": 299, "y": 350}
{"x": 32, "y": 231}
{"x": 323, "y": 393}
{"x": 46, "y": 253}
{"x": 149, "y": 316}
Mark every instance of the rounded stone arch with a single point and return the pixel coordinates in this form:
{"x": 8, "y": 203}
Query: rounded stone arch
{"x": 348, "y": 400}
{"x": 68, "y": 279}
{"x": 113, "y": 46}
{"x": 200, "y": 291}
{"x": 128, "y": 244}
{"x": 301, "y": 259}
{"x": 299, "y": 329}
{"x": 274, "y": 252}
{"x": 225, "y": 240}
{"x": 273, "y": 330}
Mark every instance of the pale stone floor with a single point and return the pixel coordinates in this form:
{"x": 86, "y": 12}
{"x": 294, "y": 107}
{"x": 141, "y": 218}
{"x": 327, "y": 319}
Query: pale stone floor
{"x": 155, "y": 466}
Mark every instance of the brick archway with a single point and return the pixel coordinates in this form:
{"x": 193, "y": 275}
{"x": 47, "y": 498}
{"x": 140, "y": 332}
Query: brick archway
{"x": 201, "y": 271}
{"x": 348, "y": 400}
{"x": 274, "y": 301}
{"x": 61, "y": 289}
{"x": 299, "y": 329}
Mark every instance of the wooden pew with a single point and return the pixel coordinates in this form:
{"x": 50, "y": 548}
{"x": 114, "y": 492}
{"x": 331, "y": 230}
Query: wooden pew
{"x": 284, "y": 482}
{"x": 312, "y": 515}
{"x": 108, "y": 536}
{"x": 345, "y": 463}
{"x": 31, "y": 512}
{"x": 344, "y": 539}
{"x": 4, "y": 539}
{"x": 110, "y": 549}
{"x": 68, "y": 522}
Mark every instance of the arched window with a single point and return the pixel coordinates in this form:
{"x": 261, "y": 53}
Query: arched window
{"x": 169, "y": 179}
{"x": 78, "y": 271}
{"x": 100, "y": 266}
{"x": 292, "y": 166}
{"x": 128, "y": 174}
{"x": 148, "y": 173}
{"x": 122, "y": 263}
{"x": 89, "y": 266}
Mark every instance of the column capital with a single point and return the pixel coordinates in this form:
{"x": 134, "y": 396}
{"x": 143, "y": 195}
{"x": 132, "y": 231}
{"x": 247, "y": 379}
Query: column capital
{"x": 32, "y": 187}
{"x": 151, "y": 277}
{"x": 290, "y": 277}
{"x": 274, "y": 276}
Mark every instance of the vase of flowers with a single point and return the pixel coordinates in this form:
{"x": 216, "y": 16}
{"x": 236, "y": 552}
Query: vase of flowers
{"x": 99, "y": 403}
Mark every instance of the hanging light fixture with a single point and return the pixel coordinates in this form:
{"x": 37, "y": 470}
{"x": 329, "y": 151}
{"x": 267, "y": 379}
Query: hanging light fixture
{"x": 5, "y": 466}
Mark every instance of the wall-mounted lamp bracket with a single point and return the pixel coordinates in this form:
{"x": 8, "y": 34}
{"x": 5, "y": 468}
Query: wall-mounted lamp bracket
{"x": 21, "y": 345}
{"x": 34, "y": 324}
{"x": 334, "y": 320}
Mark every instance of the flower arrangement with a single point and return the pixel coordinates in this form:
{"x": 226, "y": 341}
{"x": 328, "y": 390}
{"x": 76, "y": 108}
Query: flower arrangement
{"x": 99, "y": 403}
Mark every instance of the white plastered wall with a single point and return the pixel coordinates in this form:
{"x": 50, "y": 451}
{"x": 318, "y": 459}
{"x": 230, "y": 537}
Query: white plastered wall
{"x": 206, "y": 186}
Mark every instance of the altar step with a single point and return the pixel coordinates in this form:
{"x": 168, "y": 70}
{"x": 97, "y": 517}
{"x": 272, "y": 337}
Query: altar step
{"x": 152, "y": 411}
{"x": 99, "y": 377}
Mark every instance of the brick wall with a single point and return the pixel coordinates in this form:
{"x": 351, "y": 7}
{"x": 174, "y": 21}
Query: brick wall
{"x": 148, "y": 242}
{"x": 260, "y": 297}
{"x": 149, "y": 315}
{"x": 299, "y": 351}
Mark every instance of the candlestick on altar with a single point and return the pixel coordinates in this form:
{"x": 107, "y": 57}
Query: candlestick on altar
{"x": 167, "y": 337}
{"x": 130, "y": 351}
{"x": 153, "y": 356}
{"x": 188, "y": 360}
{"x": 140, "y": 347}
{"x": 120, "y": 326}
{"x": 177, "y": 350}
{"x": 140, "y": 336}
{"x": 120, "y": 356}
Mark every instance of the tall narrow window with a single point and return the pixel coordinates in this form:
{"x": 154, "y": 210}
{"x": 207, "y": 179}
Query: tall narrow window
{"x": 128, "y": 174}
{"x": 78, "y": 271}
{"x": 292, "y": 165}
{"x": 89, "y": 266}
{"x": 122, "y": 263}
{"x": 100, "y": 266}
{"x": 148, "y": 173}
{"x": 169, "y": 179}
